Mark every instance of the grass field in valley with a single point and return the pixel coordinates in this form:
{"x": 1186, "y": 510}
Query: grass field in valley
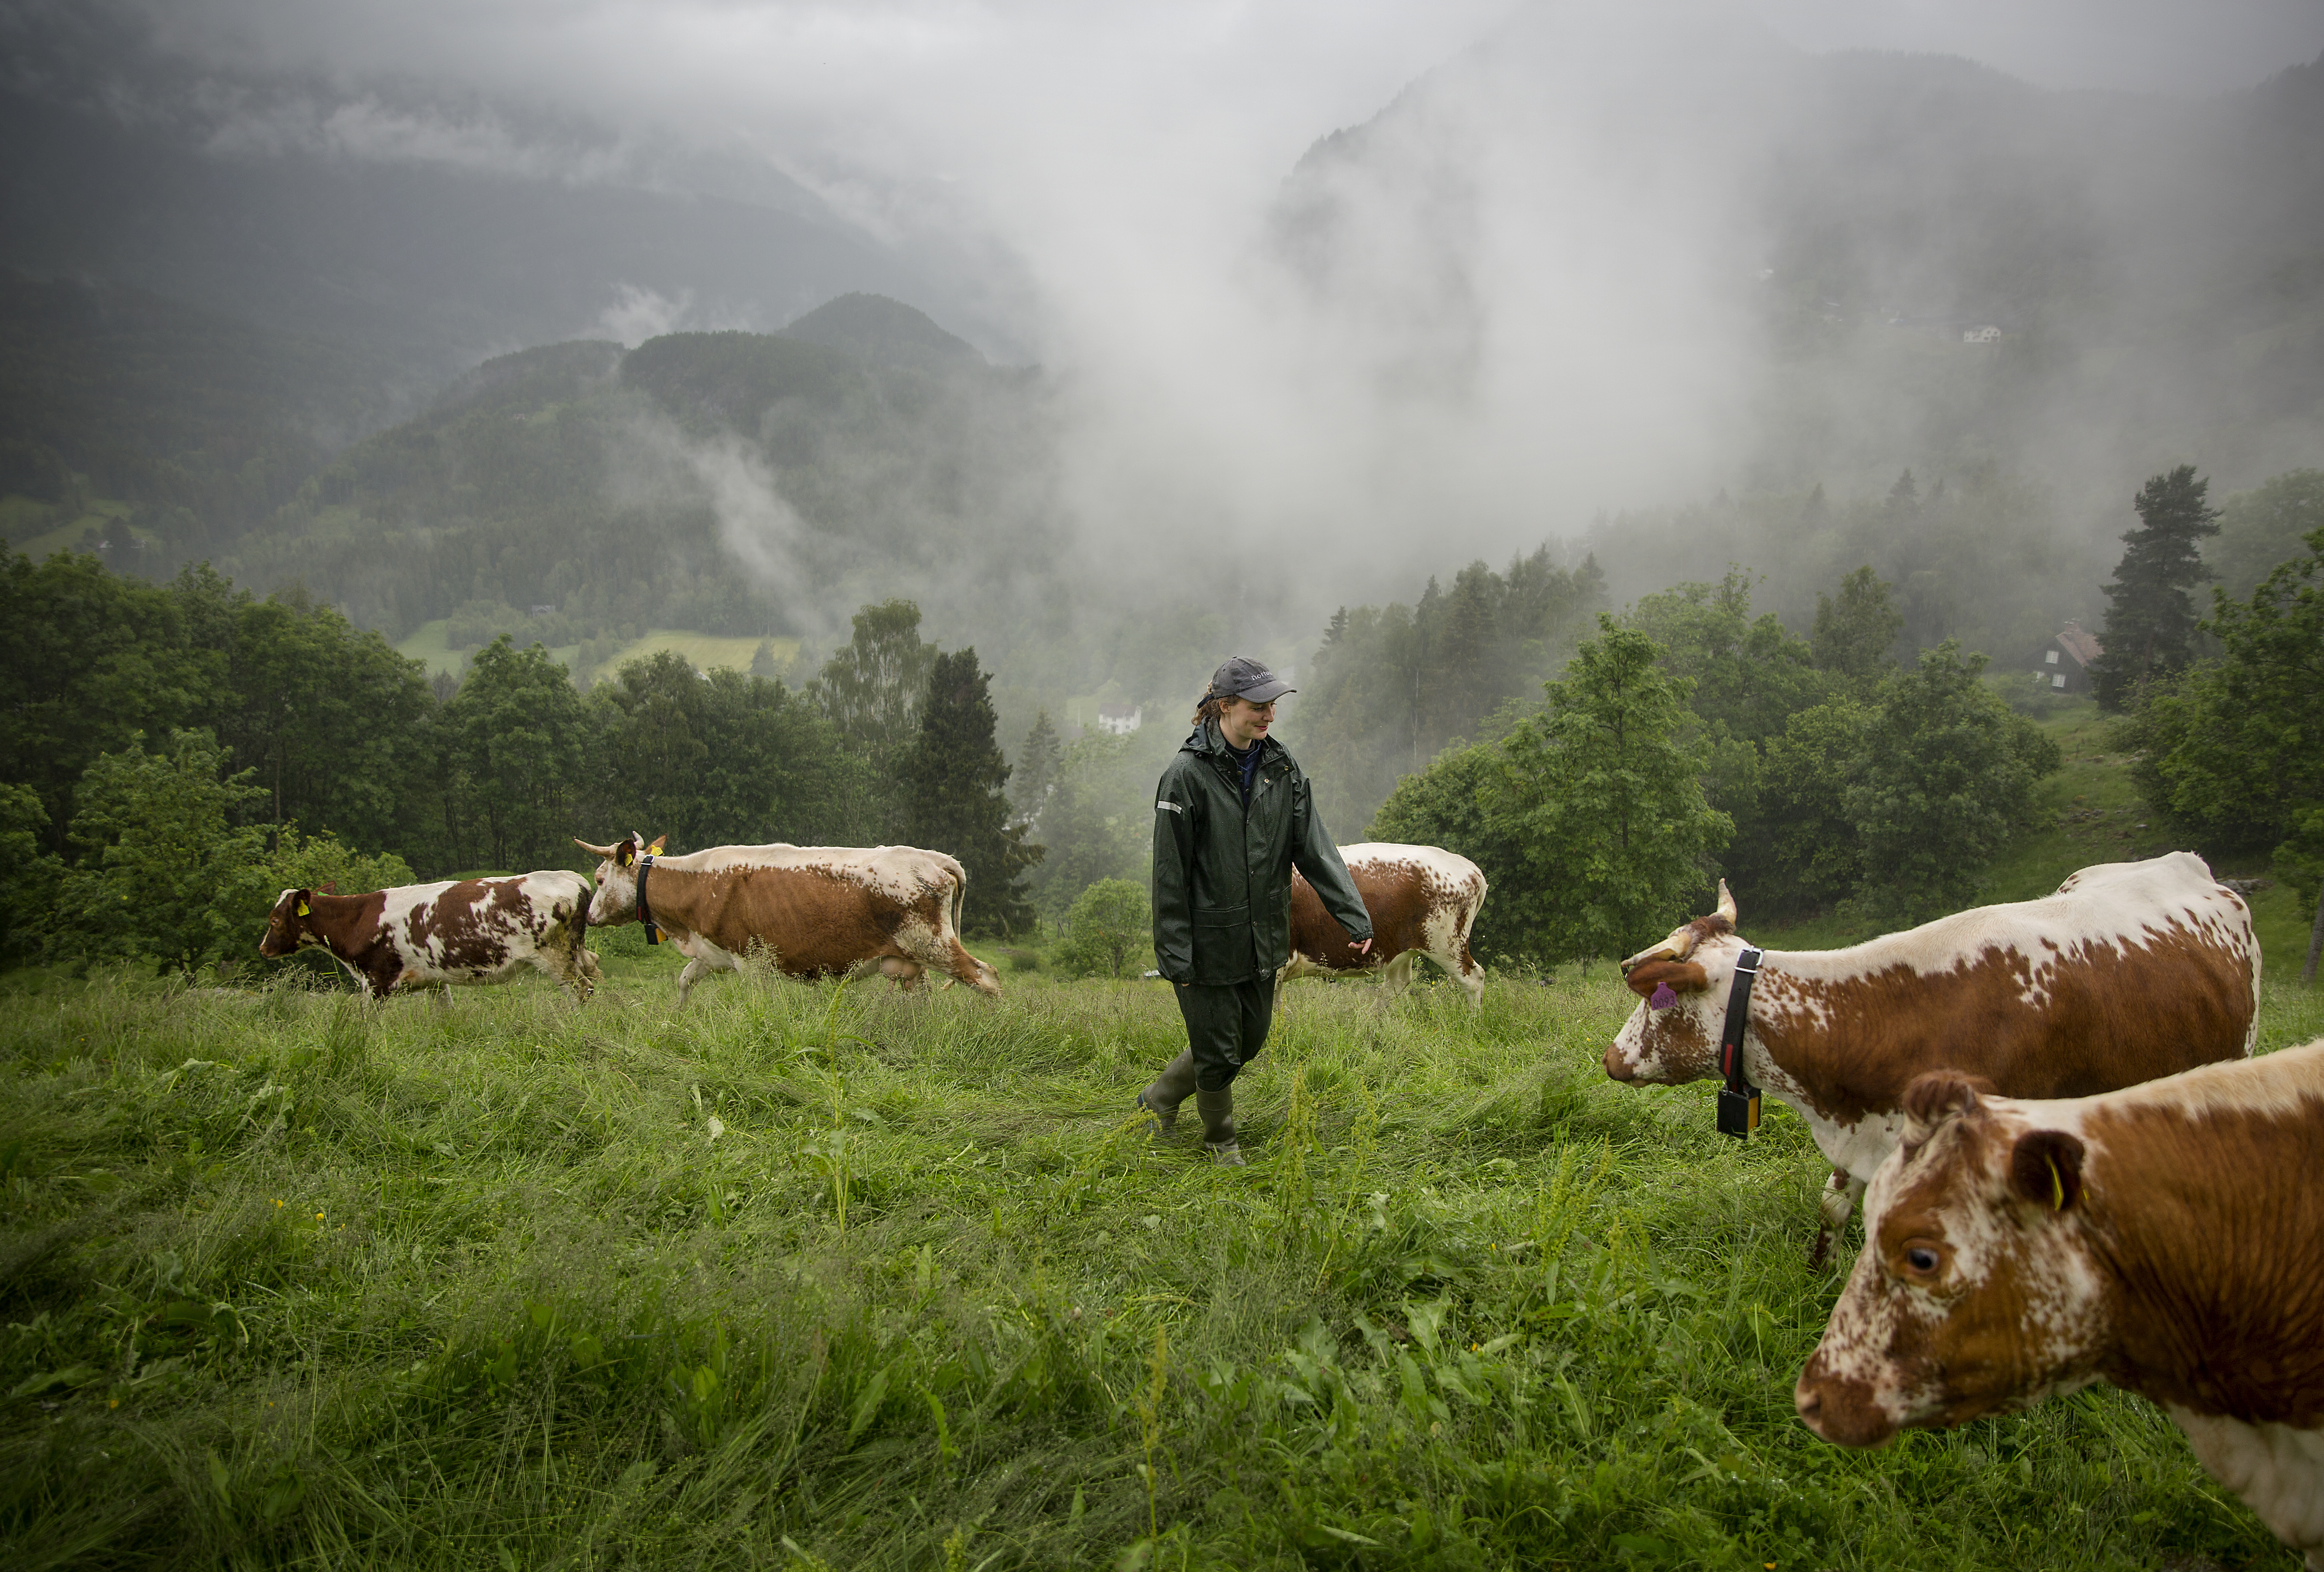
{"x": 818, "y": 1277}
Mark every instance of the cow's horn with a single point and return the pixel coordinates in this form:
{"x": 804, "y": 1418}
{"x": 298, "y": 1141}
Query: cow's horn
{"x": 1726, "y": 902}
{"x": 601, "y": 852}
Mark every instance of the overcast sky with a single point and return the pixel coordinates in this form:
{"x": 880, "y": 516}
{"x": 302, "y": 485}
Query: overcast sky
{"x": 1120, "y": 159}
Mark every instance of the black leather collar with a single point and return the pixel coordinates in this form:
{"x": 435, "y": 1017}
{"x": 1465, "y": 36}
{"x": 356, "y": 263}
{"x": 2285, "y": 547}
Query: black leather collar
{"x": 1739, "y": 1099}
{"x": 645, "y": 912}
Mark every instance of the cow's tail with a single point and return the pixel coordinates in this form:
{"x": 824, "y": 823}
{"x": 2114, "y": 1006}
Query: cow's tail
{"x": 959, "y": 896}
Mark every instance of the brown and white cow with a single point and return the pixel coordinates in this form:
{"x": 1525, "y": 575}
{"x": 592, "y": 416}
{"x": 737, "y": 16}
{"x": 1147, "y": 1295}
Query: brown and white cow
{"x": 2130, "y": 971}
{"x": 2168, "y": 1238}
{"x": 469, "y": 930}
{"x": 842, "y": 911}
{"x": 1422, "y": 901}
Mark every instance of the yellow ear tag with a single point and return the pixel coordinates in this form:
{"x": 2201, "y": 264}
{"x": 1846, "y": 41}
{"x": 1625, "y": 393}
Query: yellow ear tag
{"x": 303, "y": 911}
{"x": 2057, "y": 1187}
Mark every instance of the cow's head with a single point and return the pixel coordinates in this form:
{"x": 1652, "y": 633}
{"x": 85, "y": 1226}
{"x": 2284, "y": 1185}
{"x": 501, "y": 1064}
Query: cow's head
{"x": 1673, "y": 1036}
{"x": 1977, "y": 1293}
{"x": 291, "y": 922}
{"x": 616, "y": 901}
{"x": 289, "y": 925}
{"x": 987, "y": 981}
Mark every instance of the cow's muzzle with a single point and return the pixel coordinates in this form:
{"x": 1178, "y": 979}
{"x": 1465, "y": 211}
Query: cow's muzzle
{"x": 1840, "y": 1409}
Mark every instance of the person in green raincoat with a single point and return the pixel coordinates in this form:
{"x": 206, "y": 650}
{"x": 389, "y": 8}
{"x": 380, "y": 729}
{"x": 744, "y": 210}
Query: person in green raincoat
{"x": 1232, "y": 816}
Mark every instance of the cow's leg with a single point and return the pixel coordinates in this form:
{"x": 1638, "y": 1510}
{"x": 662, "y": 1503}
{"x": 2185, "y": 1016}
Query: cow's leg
{"x": 1395, "y": 978}
{"x": 1839, "y": 1198}
{"x": 699, "y": 968}
{"x": 566, "y": 969}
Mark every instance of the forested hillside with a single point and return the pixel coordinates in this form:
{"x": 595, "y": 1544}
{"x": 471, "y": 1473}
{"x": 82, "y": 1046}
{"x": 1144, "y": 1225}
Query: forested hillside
{"x": 726, "y": 482}
{"x": 201, "y": 424}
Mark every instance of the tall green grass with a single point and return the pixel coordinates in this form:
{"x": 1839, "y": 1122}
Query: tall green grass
{"x": 818, "y": 1277}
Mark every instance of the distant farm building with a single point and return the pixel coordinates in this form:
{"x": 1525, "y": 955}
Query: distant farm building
{"x": 1119, "y": 719}
{"x": 2065, "y": 660}
{"x": 1986, "y": 334}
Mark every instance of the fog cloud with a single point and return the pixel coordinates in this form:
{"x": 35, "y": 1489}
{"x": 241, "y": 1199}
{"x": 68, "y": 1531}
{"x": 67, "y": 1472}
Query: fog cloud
{"x": 1518, "y": 298}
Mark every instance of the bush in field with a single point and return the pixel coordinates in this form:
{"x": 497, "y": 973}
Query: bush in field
{"x": 166, "y": 876}
{"x": 1945, "y": 775}
{"x": 28, "y": 886}
{"x": 1589, "y": 819}
{"x": 1110, "y": 928}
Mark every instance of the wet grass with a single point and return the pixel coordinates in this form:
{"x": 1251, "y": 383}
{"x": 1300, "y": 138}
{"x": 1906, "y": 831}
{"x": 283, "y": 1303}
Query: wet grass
{"x": 809, "y": 1277}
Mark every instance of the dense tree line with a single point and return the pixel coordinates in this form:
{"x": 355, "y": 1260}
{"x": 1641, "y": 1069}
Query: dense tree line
{"x": 178, "y": 751}
{"x": 2231, "y": 749}
{"x": 1689, "y": 741}
{"x": 1390, "y": 686}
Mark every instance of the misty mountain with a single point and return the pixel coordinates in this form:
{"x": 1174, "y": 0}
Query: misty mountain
{"x": 204, "y": 423}
{"x": 1787, "y": 251}
{"x": 733, "y": 483}
{"x": 434, "y": 232}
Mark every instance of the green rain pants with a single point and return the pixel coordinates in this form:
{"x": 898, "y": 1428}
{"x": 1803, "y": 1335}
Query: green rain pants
{"x": 1226, "y": 1026}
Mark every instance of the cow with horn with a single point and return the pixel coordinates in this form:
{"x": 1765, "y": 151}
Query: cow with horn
{"x": 2128, "y": 972}
{"x": 842, "y": 911}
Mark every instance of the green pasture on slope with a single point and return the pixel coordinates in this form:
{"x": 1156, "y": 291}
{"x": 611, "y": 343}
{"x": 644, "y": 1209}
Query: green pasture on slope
{"x": 809, "y": 1276}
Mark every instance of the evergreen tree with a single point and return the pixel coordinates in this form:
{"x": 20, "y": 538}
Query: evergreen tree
{"x": 2235, "y": 750}
{"x": 1035, "y": 771}
{"x": 2150, "y": 622}
{"x": 1946, "y": 775}
{"x": 1089, "y": 825}
{"x": 1854, "y": 632}
{"x": 956, "y": 782}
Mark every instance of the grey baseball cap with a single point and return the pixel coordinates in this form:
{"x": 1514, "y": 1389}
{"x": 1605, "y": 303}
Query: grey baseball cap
{"x": 1244, "y": 678}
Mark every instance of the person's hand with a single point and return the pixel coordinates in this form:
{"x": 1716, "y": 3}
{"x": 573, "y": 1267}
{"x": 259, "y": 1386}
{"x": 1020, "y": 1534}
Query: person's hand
{"x": 1364, "y": 948}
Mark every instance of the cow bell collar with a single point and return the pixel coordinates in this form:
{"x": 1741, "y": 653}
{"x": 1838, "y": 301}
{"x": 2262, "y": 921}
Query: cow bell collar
{"x": 645, "y": 912}
{"x": 1739, "y": 1099}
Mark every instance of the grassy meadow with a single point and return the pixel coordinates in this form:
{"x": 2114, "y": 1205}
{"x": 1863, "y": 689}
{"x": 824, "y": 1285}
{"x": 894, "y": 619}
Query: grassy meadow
{"x": 820, "y": 1277}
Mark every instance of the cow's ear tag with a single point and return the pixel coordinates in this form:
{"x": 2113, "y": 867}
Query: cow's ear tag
{"x": 304, "y": 910}
{"x": 660, "y": 841}
{"x": 2057, "y": 1185}
{"x": 1663, "y": 997}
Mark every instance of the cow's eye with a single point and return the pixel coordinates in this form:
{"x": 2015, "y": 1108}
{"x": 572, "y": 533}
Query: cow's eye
{"x": 1922, "y": 1260}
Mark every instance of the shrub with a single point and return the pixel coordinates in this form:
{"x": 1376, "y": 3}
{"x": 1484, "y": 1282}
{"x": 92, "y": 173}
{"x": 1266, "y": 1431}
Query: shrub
{"x": 1110, "y": 927}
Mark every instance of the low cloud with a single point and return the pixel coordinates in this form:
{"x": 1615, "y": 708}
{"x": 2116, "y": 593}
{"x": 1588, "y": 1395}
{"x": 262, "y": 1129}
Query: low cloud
{"x": 639, "y": 314}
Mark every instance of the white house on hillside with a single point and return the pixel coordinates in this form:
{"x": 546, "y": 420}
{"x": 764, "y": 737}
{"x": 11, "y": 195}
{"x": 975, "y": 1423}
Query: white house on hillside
{"x": 1119, "y": 719}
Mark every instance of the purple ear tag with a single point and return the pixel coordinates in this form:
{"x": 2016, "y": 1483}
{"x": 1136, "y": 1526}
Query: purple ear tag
{"x": 1664, "y": 996}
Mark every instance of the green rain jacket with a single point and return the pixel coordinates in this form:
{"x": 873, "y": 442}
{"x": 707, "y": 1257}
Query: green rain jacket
{"x": 1222, "y": 875}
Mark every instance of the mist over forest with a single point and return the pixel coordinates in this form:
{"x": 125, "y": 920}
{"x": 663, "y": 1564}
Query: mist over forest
{"x": 1579, "y": 307}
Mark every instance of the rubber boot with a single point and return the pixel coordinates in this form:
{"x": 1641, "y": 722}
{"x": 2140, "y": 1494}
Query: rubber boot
{"x": 1217, "y": 1109}
{"x": 1169, "y": 1089}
